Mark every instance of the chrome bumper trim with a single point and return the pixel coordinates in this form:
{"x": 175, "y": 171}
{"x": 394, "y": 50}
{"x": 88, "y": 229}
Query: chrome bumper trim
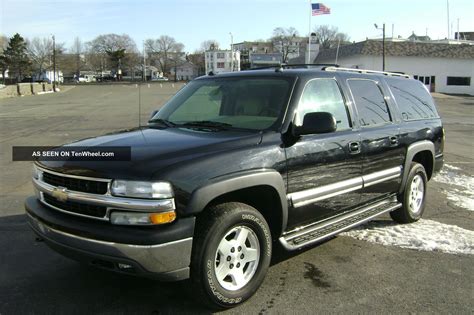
{"x": 159, "y": 258}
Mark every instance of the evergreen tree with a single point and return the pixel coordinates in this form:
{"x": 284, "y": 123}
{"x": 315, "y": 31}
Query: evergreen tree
{"x": 15, "y": 58}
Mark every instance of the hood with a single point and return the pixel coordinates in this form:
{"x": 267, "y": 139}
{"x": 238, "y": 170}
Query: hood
{"x": 153, "y": 151}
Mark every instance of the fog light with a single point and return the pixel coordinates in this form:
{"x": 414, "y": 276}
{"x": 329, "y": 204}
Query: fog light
{"x": 142, "y": 218}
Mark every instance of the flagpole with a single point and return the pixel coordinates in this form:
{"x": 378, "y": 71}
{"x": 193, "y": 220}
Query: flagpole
{"x": 447, "y": 10}
{"x": 309, "y": 34}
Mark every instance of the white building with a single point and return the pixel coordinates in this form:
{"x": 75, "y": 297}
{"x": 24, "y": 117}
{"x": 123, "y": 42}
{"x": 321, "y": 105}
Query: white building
{"x": 49, "y": 76}
{"x": 184, "y": 71}
{"x": 6, "y": 74}
{"x": 219, "y": 61}
{"x": 442, "y": 67}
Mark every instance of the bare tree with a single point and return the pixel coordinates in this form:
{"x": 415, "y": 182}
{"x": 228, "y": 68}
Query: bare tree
{"x": 209, "y": 44}
{"x": 77, "y": 51}
{"x": 329, "y": 36}
{"x": 40, "y": 51}
{"x": 165, "y": 52}
{"x": 197, "y": 58}
{"x": 3, "y": 43}
{"x": 113, "y": 48}
{"x": 284, "y": 39}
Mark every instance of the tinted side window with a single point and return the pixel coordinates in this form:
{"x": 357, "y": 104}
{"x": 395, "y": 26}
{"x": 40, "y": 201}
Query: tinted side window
{"x": 323, "y": 95}
{"x": 370, "y": 102}
{"x": 413, "y": 100}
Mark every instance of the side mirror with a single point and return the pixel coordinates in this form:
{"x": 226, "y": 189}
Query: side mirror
{"x": 318, "y": 122}
{"x": 153, "y": 113}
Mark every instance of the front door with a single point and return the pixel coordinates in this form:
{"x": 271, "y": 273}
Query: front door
{"x": 324, "y": 170}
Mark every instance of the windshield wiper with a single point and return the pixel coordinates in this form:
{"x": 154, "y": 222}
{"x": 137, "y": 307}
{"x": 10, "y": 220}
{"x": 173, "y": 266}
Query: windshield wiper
{"x": 206, "y": 124}
{"x": 164, "y": 122}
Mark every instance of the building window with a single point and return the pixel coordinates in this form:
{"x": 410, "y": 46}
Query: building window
{"x": 464, "y": 81}
{"x": 220, "y": 65}
{"x": 220, "y": 55}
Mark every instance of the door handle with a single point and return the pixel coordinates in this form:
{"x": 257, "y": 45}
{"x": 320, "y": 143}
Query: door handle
{"x": 393, "y": 140}
{"x": 354, "y": 147}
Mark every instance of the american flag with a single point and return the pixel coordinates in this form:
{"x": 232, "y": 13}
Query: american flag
{"x": 319, "y": 8}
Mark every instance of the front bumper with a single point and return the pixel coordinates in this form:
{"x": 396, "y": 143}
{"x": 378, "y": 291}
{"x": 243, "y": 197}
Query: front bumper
{"x": 168, "y": 260}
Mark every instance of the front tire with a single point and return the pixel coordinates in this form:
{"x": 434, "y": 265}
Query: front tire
{"x": 231, "y": 254}
{"x": 413, "y": 197}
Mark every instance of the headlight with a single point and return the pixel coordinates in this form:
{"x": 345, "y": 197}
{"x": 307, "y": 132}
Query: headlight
{"x": 140, "y": 218}
{"x": 139, "y": 189}
{"x": 35, "y": 172}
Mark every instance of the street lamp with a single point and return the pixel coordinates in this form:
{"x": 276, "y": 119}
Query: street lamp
{"x": 383, "y": 44}
{"x": 231, "y": 52}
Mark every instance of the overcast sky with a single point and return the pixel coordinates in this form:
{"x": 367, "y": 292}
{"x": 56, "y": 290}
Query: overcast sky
{"x": 193, "y": 21}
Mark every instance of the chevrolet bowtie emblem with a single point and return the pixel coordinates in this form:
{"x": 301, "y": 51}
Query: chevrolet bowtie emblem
{"x": 60, "y": 193}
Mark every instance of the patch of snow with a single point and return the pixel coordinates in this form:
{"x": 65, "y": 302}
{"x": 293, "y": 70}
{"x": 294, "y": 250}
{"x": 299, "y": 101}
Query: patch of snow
{"x": 452, "y": 167}
{"x": 460, "y": 190}
{"x": 424, "y": 235}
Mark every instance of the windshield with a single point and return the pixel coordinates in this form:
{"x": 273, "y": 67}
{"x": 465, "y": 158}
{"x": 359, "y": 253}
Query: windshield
{"x": 248, "y": 103}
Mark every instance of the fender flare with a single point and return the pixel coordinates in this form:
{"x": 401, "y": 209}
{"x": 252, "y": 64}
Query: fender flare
{"x": 412, "y": 150}
{"x": 223, "y": 185}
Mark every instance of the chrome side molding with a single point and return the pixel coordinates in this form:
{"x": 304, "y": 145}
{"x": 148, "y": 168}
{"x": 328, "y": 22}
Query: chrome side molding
{"x": 305, "y": 197}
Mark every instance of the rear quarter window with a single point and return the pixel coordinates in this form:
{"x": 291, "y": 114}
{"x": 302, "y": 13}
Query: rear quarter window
{"x": 413, "y": 100}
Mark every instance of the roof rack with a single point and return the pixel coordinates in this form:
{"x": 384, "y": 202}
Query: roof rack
{"x": 310, "y": 65}
{"x": 394, "y": 74}
{"x": 287, "y": 66}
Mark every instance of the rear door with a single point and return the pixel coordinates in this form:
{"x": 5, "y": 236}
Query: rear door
{"x": 380, "y": 143}
{"x": 323, "y": 174}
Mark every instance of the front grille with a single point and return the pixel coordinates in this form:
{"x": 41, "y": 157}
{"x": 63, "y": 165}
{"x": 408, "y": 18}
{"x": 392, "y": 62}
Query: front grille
{"x": 76, "y": 184}
{"x": 75, "y": 207}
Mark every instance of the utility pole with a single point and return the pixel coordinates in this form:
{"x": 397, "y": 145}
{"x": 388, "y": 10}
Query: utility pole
{"x": 458, "y": 37}
{"x": 337, "y": 50}
{"x": 383, "y": 44}
{"x": 308, "y": 59}
{"x": 54, "y": 64}
{"x": 383, "y": 48}
{"x": 144, "y": 62}
{"x": 231, "y": 52}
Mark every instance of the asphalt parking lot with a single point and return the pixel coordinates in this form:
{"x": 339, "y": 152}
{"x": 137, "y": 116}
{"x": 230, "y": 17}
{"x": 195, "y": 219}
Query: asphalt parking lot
{"x": 343, "y": 275}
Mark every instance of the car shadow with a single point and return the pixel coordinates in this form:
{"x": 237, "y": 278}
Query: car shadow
{"x": 35, "y": 279}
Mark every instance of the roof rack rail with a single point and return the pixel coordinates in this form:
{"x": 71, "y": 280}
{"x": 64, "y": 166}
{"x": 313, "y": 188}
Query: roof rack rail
{"x": 288, "y": 66}
{"x": 310, "y": 65}
{"x": 394, "y": 74}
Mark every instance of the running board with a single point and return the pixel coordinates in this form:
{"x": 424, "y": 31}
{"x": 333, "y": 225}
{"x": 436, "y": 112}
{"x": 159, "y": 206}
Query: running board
{"x": 317, "y": 232}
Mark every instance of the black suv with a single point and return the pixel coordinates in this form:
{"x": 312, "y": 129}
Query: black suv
{"x": 235, "y": 162}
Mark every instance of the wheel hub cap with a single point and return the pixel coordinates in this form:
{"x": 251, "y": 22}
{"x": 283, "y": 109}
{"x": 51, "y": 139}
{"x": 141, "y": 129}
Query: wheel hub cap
{"x": 417, "y": 190}
{"x": 237, "y": 258}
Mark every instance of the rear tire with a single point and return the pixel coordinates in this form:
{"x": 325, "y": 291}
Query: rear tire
{"x": 231, "y": 254}
{"x": 413, "y": 197}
